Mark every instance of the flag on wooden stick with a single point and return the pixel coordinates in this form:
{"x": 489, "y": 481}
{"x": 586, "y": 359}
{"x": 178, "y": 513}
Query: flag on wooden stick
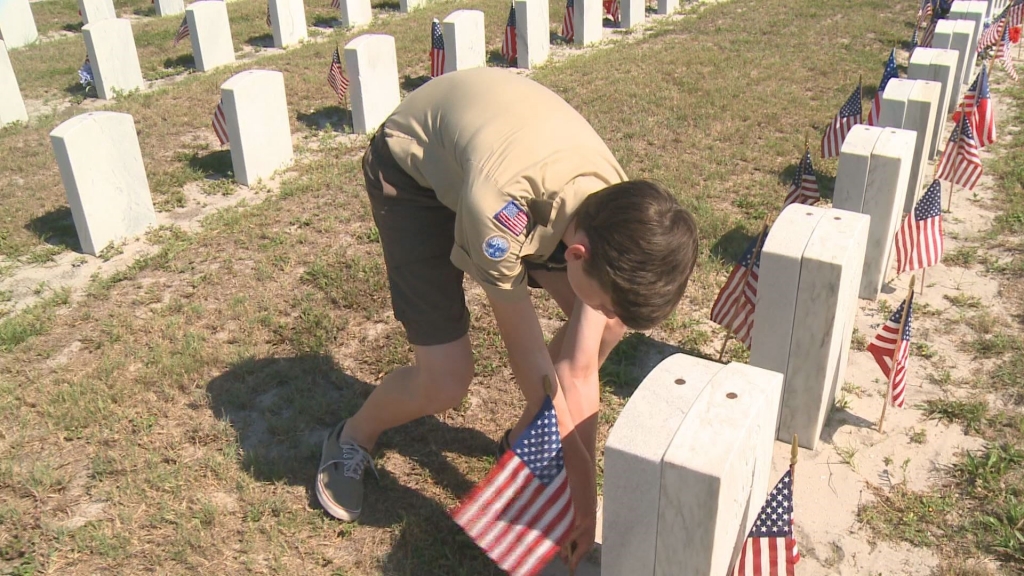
{"x": 884, "y": 349}
{"x": 804, "y": 189}
{"x": 336, "y": 76}
{"x": 521, "y": 513}
{"x": 85, "y": 76}
{"x": 734, "y": 307}
{"x": 183, "y": 31}
{"x": 960, "y": 163}
{"x": 220, "y": 123}
{"x": 436, "y": 49}
{"x": 919, "y": 240}
{"x": 849, "y": 115}
{"x": 568, "y": 29}
{"x": 509, "y": 49}
{"x": 612, "y": 9}
{"x": 770, "y": 547}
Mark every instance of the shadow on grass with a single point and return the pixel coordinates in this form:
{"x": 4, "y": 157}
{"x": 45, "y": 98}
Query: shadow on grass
{"x": 57, "y": 228}
{"x": 837, "y": 418}
{"x": 494, "y": 58}
{"x": 216, "y": 163}
{"x": 148, "y": 11}
{"x": 333, "y": 118}
{"x": 387, "y": 6}
{"x": 326, "y": 22}
{"x": 410, "y": 83}
{"x": 634, "y": 358}
{"x": 282, "y": 409}
{"x": 261, "y": 41}
{"x": 75, "y": 27}
{"x": 182, "y": 62}
{"x": 731, "y": 245}
{"x": 826, "y": 184}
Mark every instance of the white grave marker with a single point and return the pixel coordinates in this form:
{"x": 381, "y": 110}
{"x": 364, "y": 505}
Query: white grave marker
{"x": 406, "y": 6}
{"x": 373, "y": 72}
{"x": 939, "y": 66}
{"x": 943, "y": 34}
{"x": 115, "y": 63}
{"x": 587, "y": 21}
{"x": 533, "y": 34}
{"x": 210, "y": 34}
{"x": 661, "y": 487}
{"x": 633, "y": 13}
{"x": 17, "y": 26}
{"x": 288, "y": 22}
{"x": 974, "y": 11}
{"x": 96, "y": 10}
{"x": 464, "y": 43}
{"x": 257, "y": 119}
{"x": 922, "y": 107}
{"x": 12, "y": 106}
{"x": 880, "y": 192}
{"x": 169, "y": 7}
{"x": 101, "y": 166}
{"x": 666, "y": 7}
{"x": 356, "y": 13}
{"x": 964, "y": 42}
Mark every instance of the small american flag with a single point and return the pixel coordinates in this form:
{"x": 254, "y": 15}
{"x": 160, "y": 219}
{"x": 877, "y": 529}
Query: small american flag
{"x": 336, "y": 76}
{"x": 268, "y": 15}
{"x": 612, "y": 9}
{"x": 220, "y": 123}
{"x": 883, "y": 345}
{"x": 979, "y": 109}
{"x": 436, "y": 49}
{"x": 85, "y": 73}
{"x": 568, "y": 30}
{"x": 521, "y": 513}
{"x": 992, "y": 34}
{"x": 508, "y": 43}
{"x": 929, "y": 32}
{"x": 770, "y": 548}
{"x": 183, "y": 31}
{"x": 734, "y": 307}
{"x": 1003, "y": 54}
{"x": 889, "y": 73}
{"x": 835, "y": 133}
{"x": 1015, "y": 14}
{"x": 919, "y": 240}
{"x": 960, "y": 163}
{"x": 336, "y": 4}
{"x": 513, "y": 218}
{"x": 804, "y": 189}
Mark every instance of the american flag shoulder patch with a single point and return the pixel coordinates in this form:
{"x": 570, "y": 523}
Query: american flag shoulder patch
{"x": 513, "y": 218}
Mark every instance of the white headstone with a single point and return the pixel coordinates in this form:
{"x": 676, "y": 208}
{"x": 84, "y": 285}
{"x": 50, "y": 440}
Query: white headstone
{"x": 210, "y": 34}
{"x": 257, "y": 119}
{"x": 96, "y": 10}
{"x": 940, "y": 66}
{"x": 894, "y": 102}
{"x": 964, "y": 42}
{"x": 17, "y": 26}
{"x": 943, "y": 34}
{"x": 169, "y": 7}
{"x": 464, "y": 43}
{"x": 633, "y": 13}
{"x": 405, "y": 6}
{"x": 112, "y": 56}
{"x": 101, "y": 166}
{"x": 667, "y": 6}
{"x": 974, "y": 11}
{"x": 826, "y": 305}
{"x": 715, "y": 472}
{"x": 882, "y": 197}
{"x": 646, "y": 456}
{"x": 587, "y": 21}
{"x": 12, "y": 106}
{"x": 373, "y": 75}
{"x": 356, "y": 13}
{"x": 922, "y": 107}
{"x": 533, "y": 33}
{"x": 288, "y": 22}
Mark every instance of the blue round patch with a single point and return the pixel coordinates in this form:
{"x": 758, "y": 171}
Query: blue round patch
{"x": 496, "y": 247}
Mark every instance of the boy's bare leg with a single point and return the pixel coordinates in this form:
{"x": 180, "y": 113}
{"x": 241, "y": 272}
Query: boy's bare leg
{"x": 437, "y": 381}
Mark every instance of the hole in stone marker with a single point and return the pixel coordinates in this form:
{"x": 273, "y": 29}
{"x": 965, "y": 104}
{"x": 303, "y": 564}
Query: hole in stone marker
{"x": 810, "y": 213}
{"x": 836, "y": 218}
{"x": 731, "y": 396}
{"x": 680, "y": 381}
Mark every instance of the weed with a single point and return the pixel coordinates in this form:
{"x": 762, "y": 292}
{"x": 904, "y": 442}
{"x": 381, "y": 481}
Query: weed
{"x": 971, "y": 414}
{"x": 846, "y": 455}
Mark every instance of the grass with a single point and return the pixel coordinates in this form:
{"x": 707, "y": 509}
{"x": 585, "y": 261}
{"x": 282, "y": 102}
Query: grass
{"x": 186, "y": 396}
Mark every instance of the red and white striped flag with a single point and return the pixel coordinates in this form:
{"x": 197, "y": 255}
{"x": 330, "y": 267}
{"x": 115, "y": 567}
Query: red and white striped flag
{"x": 436, "y": 49}
{"x": 884, "y": 344}
{"x": 734, "y": 307}
{"x": 336, "y": 4}
{"x": 977, "y": 105}
{"x": 919, "y": 240}
{"x": 508, "y": 43}
{"x": 804, "y": 189}
{"x": 960, "y": 163}
{"x": 992, "y": 34}
{"x": 612, "y": 9}
{"x": 220, "y": 123}
{"x": 929, "y": 32}
{"x": 770, "y": 548}
{"x": 568, "y": 30}
{"x": 849, "y": 116}
{"x": 183, "y": 31}
{"x": 268, "y": 15}
{"x": 336, "y": 76}
{"x": 521, "y": 513}
{"x": 1004, "y": 56}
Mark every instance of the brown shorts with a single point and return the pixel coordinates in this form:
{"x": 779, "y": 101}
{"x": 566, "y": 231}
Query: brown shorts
{"x": 417, "y": 233}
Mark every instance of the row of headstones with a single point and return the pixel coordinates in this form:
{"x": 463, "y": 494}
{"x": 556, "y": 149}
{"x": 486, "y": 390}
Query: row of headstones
{"x": 687, "y": 462}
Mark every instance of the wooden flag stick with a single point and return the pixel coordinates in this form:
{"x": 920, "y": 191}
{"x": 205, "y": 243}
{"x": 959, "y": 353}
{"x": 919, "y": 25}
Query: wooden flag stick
{"x": 896, "y": 351}
{"x": 747, "y": 272}
{"x": 923, "y": 270}
{"x": 721, "y": 352}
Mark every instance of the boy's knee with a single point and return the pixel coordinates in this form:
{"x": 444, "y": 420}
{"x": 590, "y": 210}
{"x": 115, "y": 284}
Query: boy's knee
{"x": 446, "y": 384}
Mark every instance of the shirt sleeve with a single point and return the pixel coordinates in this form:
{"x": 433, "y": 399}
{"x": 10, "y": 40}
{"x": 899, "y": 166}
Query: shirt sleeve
{"x": 487, "y": 245}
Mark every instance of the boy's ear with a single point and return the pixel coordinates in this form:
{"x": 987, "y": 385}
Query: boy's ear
{"x": 576, "y": 252}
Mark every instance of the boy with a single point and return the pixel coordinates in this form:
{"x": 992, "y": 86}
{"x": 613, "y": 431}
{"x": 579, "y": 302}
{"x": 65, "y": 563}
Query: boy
{"x": 488, "y": 173}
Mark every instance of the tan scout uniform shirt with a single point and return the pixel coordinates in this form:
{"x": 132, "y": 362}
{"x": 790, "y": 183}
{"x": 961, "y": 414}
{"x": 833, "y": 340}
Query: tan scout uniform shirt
{"x": 485, "y": 137}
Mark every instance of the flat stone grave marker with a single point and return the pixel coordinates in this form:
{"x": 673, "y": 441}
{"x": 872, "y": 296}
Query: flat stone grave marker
{"x": 373, "y": 75}
{"x": 464, "y": 43}
{"x": 533, "y": 35}
{"x": 256, "y": 114}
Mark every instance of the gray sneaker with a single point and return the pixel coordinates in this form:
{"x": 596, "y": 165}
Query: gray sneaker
{"x": 339, "y": 482}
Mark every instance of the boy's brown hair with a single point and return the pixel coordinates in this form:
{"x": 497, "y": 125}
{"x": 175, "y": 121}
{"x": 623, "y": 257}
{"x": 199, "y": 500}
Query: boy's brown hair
{"x": 643, "y": 247}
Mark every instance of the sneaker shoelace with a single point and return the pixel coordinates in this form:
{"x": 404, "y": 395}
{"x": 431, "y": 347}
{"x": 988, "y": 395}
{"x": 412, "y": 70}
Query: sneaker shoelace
{"x": 356, "y": 460}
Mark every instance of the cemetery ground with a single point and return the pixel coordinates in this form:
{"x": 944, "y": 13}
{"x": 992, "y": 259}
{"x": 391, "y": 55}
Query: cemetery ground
{"x": 167, "y": 414}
